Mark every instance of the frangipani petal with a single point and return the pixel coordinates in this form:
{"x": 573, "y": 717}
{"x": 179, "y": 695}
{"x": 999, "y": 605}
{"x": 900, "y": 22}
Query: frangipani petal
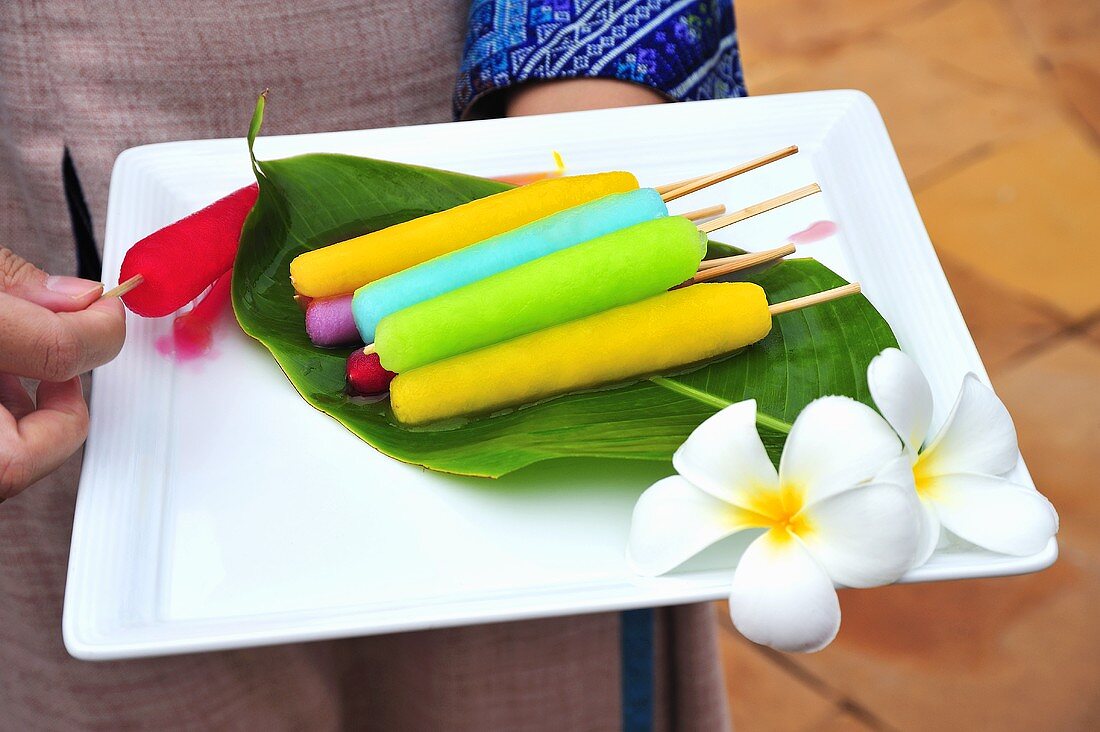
{"x": 867, "y": 536}
{"x": 928, "y": 532}
{"x": 995, "y": 513}
{"x": 898, "y": 471}
{"x": 978, "y": 436}
{"x": 783, "y": 598}
{"x": 725, "y": 457}
{"x": 902, "y": 394}
{"x": 673, "y": 521}
{"x": 836, "y": 443}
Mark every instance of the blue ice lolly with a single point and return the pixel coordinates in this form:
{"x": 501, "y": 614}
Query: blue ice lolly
{"x": 380, "y": 298}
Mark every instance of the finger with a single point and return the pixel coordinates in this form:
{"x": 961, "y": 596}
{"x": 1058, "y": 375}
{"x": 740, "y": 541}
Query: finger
{"x": 14, "y": 397}
{"x": 60, "y": 293}
{"x": 45, "y": 438}
{"x": 40, "y": 344}
{"x": 103, "y": 325}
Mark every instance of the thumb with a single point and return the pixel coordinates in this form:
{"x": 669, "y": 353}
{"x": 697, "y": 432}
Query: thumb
{"x": 22, "y": 279}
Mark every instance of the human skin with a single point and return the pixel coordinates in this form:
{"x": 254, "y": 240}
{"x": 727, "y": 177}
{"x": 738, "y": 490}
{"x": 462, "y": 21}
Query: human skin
{"x": 574, "y": 95}
{"x": 52, "y": 329}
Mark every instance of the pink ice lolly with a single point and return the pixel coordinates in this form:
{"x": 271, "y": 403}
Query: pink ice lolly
{"x": 329, "y": 321}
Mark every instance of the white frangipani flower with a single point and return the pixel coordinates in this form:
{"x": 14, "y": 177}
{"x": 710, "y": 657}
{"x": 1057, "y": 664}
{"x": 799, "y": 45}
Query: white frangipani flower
{"x": 840, "y": 509}
{"x": 959, "y": 473}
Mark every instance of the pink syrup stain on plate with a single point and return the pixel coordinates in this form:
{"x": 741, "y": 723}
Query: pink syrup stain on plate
{"x": 193, "y": 331}
{"x": 814, "y": 232}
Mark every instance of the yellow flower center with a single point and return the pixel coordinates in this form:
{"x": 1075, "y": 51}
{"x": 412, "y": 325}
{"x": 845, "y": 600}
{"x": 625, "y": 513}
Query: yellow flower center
{"x": 924, "y": 476}
{"x": 779, "y": 511}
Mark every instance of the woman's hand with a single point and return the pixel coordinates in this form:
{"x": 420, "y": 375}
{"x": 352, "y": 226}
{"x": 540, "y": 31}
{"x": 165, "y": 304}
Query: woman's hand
{"x": 52, "y": 329}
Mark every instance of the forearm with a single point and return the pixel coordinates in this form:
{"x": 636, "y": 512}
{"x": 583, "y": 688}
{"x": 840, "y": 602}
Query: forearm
{"x": 571, "y": 95}
{"x": 592, "y": 54}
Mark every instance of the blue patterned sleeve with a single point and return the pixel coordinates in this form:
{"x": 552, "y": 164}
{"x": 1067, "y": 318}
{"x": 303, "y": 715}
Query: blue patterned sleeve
{"x": 685, "y": 49}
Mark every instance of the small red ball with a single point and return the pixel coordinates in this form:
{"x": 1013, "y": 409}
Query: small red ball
{"x": 366, "y": 377}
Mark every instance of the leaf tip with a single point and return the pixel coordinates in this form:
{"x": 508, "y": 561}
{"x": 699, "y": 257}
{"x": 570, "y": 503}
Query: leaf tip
{"x": 255, "y": 124}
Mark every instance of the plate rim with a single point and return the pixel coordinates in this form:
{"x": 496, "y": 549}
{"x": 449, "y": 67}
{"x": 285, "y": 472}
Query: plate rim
{"x": 82, "y": 639}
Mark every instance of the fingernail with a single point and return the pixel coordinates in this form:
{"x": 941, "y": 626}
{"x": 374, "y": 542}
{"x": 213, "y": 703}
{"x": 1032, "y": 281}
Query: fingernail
{"x": 73, "y": 287}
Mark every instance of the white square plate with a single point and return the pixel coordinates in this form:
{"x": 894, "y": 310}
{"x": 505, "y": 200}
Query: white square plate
{"x": 217, "y": 509}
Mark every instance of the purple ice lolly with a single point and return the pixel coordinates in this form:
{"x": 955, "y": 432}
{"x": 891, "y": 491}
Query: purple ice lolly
{"x": 329, "y": 321}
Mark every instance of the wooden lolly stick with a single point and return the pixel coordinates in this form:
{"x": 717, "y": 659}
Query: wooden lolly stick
{"x": 721, "y": 175}
{"x": 668, "y": 187}
{"x": 759, "y": 208}
{"x": 815, "y": 299}
{"x": 705, "y": 213}
{"x": 735, "y": 264}
{"x": 123, "y": 287}
{"x": 787, "y": 248}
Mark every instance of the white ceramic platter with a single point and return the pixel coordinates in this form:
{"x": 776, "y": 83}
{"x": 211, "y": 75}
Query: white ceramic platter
{"x": 217, "y": 509}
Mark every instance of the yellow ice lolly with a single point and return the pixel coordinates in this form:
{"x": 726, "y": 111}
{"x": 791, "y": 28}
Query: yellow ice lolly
{"x": 663, "y": 333}
{"x": 344, "y": 267}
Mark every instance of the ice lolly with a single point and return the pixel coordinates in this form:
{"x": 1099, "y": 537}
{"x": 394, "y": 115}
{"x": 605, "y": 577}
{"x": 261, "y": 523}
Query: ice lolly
{"x": 329, "y": 321}
{"x": 669, "y": 331}
{"x": 618, "y": 268}
{"x": 341, "y": 268}
{"x": 502, "y": 252}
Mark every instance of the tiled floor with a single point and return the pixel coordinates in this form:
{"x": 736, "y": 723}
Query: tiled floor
{"x": 994, "y": 107}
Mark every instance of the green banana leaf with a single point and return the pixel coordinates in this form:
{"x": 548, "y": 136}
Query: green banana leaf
{"x": 313, "y": 200}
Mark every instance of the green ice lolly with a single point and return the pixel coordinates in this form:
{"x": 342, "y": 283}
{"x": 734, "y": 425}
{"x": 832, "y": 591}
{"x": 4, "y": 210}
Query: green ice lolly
{"x": 611, "y": 270}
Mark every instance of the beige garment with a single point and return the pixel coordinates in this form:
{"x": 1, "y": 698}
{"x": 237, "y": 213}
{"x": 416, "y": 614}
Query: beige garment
{"x": 99, "y": 77}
